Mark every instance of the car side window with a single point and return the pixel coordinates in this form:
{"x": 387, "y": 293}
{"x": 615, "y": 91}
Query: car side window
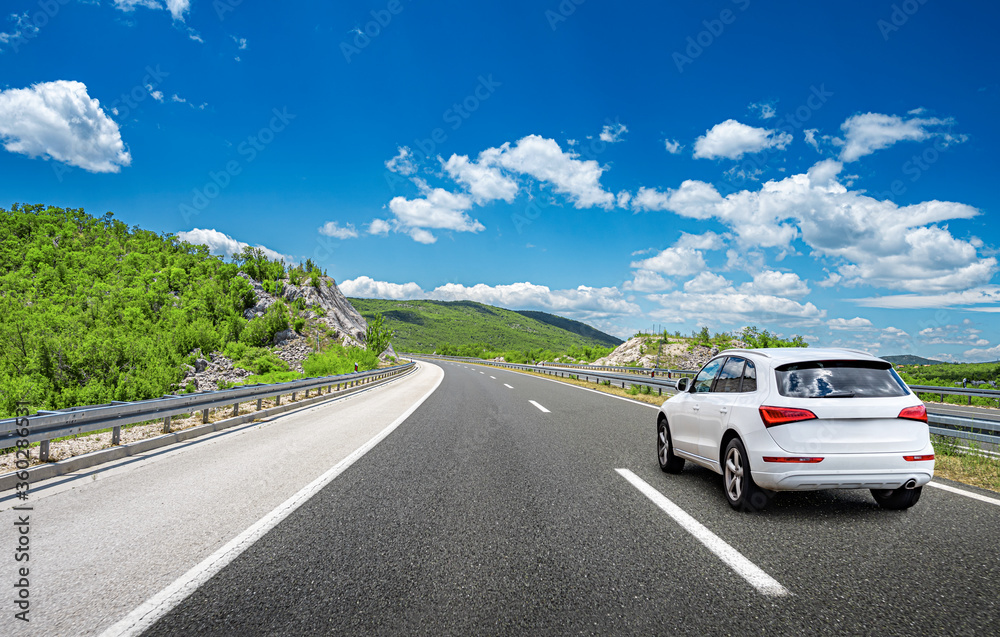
{"x": 703, "y": 381}
{"x": 731, "y": 375}
{"x": 749, "y": 378}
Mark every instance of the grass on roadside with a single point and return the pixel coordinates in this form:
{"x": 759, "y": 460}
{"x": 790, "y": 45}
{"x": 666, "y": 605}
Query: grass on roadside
{"x": 961, "y": 461}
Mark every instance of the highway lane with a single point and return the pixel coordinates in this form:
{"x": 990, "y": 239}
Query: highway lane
{"x": 483, "y": 514}
{"x": 105, "y": 539}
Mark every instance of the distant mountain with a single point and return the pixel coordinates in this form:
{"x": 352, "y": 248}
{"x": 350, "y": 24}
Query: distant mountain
{"x": 422, "y": 326}
{"x": 909, "y": 359}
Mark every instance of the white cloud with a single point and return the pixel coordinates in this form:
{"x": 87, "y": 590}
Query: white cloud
{"x": 438, "y": 209}
{"x": 988, "y": 295}
{"x": 224, "y": 245}
{"x": 156, "y": 95}
{"x": 367, "y": 288}
{"x": 483, "y": 179}
{"x": 810, "y": 134}
{"x": 612, "y": 133}
{"x": 876, "y": 242}
{"x": 333, "y": 229}
{"x": 402, "y": 163}
{"x": 241, "y": 43}
{"x": 707, "y": 283}
{"x": 177, "y": 8}
{"x": 59, "y": 120}
{"x": 706, "y": 241}
{"x": 24, "y": 28}
{"x": 729, "y": 306}
{"x": 583, "y": 302}
{"x": 648, "y": 281}
{"x": 732, "y": 140}
{"x": 673, "y": 147}
{"x": 763, "y": 110}
{"x": 982, "y": 355}
{"x": 542, "y": 159}
{"x": 775, "y": 283}
{"x": 865, "y": 133}
{"x": 856, "y": 323}
{"x": 379, "y": 226}
{"x": 675, "y": 261}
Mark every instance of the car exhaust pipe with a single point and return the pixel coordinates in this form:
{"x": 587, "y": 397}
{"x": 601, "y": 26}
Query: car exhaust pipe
{"x": 911, "y": 484}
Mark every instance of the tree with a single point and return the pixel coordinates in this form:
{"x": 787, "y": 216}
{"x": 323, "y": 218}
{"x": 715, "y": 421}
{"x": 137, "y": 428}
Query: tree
{"x": 378, "y": 335}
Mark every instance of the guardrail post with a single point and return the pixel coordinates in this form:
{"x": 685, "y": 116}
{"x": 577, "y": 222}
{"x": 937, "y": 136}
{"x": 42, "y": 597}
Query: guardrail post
{"x": 166, "y": 425}
{"x": 116, "y": 436}
{"x": 258, "y": 404}
{"x": 277, "y": 400}
{"x": 293, "y": 396}
{"x": 204, "y": 415}
{"x": 236, "y": 410}
{"x": 43, "y": 453}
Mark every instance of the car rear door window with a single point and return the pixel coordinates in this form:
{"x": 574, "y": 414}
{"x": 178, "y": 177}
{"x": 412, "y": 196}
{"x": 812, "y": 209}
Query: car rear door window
{"x": 731, "y": 376}
{"x": 839, "y": 379}
{"x": 749, "y": 378}
{"x": 703, "y": 381}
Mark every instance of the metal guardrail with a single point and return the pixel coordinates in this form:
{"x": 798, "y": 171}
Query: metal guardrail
{"x": 48, "y": 425}
{"x": 948, "y": 425}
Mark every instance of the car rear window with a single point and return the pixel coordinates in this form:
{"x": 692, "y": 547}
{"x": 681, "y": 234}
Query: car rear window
{"x": 839, "y": 379}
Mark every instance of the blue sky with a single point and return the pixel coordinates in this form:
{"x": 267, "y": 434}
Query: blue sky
{"x": 823, "y": 169}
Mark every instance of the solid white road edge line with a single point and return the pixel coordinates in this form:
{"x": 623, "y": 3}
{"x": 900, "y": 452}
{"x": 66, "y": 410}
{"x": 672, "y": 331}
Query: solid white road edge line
{"x": 507, "y": 386}
{"x": 143, "y": 617}
{"x": 968, "y": 494}
{"x": 746, "y": 569}
{"x": 540, "y": 408}
{"x": 594, "y": 391}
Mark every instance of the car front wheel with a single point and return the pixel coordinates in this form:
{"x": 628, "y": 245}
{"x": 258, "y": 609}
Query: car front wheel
{"x": 742, "y": 492}
{"x": 669, "y": 463}
{"x": 896, "y": 499}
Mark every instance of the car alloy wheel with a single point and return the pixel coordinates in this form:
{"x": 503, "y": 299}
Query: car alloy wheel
{"x": 669, "y": 463}
{"x": 741, "y": 491}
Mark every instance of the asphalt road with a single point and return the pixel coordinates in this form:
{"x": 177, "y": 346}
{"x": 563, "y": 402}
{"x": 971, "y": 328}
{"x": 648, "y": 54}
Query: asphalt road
{"x": 487, "y": 514}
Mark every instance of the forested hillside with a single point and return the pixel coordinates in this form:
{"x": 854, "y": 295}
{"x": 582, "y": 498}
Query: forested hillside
{"x": 456, "y": 326}
{"x": 94, "y": 311}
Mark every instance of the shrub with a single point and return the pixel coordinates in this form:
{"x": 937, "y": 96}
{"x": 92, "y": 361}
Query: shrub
{"x": 339, "y": 360}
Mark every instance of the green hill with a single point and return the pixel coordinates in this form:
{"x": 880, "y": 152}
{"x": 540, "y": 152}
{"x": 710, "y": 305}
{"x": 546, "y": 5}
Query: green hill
{"x": 424, "y": 326}
{"x": 910, "y": 359}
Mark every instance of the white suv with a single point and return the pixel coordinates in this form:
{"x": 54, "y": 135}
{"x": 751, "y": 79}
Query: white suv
{"x": 799, "y": 419}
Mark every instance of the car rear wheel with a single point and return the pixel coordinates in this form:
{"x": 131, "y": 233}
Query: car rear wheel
{"x": 669, "y": 463}
{"x": 742, "y": 492}
{"x": 896, "y": 499}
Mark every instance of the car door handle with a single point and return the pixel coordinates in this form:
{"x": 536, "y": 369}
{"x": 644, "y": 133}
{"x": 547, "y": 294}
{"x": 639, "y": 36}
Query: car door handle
{"x": 696, "y": 407}
{"x": 723, "y": 410}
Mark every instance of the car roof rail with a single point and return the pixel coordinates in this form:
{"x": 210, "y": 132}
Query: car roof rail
{"x": 746, "y": 351}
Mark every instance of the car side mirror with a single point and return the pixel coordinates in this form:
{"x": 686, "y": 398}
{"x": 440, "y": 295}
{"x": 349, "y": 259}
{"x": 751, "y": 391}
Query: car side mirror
{"x": 682, "y": 384}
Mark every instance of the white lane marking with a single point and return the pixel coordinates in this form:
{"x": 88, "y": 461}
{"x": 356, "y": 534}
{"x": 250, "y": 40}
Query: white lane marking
{"x": 482, "y": 372}
{"x": 507, "y": 386}
{"x": 143, "y": 617}
{"x": 968, "y": 494}
{"x": 493, "y": 377}
{"x": 599, "y": 393}
{"x": 542, "y": 409}
{"x": 735, "y": 560}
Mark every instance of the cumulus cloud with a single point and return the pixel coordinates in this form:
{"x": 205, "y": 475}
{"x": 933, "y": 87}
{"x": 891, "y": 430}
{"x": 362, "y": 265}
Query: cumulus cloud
{"x": 612, "y": 133}
{"x": 674, "y": 261}
{"x": 732, "y": 140}
{"x": 713, "y": 301}
{"x": 771, "y": 282}
{"x": 875, "y": 242}
{"x": 763, "y": 110}
{"x": 978, "y": 355}
{"x": 379, "y": 226}
{"x": 856, "y": 323}
{"x": 673, "y": 147}
{"x": 648, "y": 281}
{"x": 986, "y": 295}
{"x": 402, "y": 163}
{"x": 438, "y": 209}
{"x": 59, "y": 120}
{"x": 485, "y": 181}
{"x": 177, "y": 8}
{"x": 542, "y": 159}
{"x": 222, "y": 244}
{"x": 868, "y": 132}
{"x": 335, "y": 230}
{"x": 583, "y": 302}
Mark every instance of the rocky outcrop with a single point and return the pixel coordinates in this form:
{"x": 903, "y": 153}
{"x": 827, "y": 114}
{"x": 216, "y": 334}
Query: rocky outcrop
{"x": 327, "y": 305}
{"x": 642, "y": 351}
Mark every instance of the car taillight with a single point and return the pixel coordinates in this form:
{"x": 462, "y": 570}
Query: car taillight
{"x": 792, "y": 460}
{"x": 917, "y": 412}
{"x": 782, "y": 415}
{"x": 918, "y": 458}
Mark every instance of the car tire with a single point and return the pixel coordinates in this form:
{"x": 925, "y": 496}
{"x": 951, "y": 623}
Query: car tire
{"x": 669, "y": 463}
{"x": 742, "y": 492}
{"x": 896, "y": 499}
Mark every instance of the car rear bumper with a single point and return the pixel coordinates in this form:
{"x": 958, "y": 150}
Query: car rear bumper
{"x": 844, "y": 471}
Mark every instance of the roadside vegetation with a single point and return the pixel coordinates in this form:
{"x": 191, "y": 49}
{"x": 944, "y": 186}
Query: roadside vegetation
{"x": 952, "y": 375}
{"x": 967, "y": 462}
{"x": 94, "y": 311}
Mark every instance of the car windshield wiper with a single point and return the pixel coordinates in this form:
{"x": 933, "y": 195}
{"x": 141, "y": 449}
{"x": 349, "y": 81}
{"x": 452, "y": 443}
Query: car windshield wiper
{"x": 839, "y": 394}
